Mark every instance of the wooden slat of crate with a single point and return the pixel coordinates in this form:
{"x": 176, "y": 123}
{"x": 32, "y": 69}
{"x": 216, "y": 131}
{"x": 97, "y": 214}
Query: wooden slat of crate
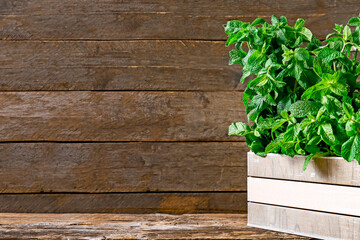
{"x": 333, "y": 170}
{"x": 313, "y": 196}
{"x": 161, "y": 19}
{"x": 117, "y": 65}
{"x": 304, "y": 222}
{"x": 174, "y": 203}
{"x": 122, "y": 167}
{"x": 119, "y": 116}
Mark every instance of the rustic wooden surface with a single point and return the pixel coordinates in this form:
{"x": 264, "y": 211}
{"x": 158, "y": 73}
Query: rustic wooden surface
{"x": 132, "y": 226}
{"x": 161, "y": 19}
{"x": 174, "y": 203}
{"x": 118, "y": 116}
{"x": 310, "y": 223}
{"x": 314, "y": 196}
{"x": 111, "y": 73}
{"x": 117, "y": 65}
{"x": 334, "y": 170}
{"x": 122, "y": 167}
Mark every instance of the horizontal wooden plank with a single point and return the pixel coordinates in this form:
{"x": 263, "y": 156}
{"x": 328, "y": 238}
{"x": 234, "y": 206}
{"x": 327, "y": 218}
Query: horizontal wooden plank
{"x": 174, "y": 203}
{"x": 122, "y": 78}
{"x": 161, "y": 19}
{"x": 333, "y": 170}
{"x": 122, "y": 167}
{"x": 155, "y": 53}
{"x": 302, "y": 222}
{"x": 119, "y": 116}
{"x": 125, "y": 65}
{"x": 201, "y": 7}
{"x": 313, "y": 196}
{"x": 132, "y": 226}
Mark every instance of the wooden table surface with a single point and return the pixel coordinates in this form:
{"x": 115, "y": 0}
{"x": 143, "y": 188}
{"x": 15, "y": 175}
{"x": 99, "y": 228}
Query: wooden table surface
{"x": 131, "y": 226}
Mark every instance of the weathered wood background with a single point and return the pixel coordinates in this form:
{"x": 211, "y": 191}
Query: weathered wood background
{"x": 123, "y": 106}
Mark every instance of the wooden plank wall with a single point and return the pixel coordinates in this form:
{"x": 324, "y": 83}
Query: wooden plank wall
{"x": 123, "y": 106}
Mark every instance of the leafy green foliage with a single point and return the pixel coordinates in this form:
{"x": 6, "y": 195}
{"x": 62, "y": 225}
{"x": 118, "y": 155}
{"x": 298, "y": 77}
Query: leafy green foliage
{"x": 303, "y": 108}
{"x": 304, "y": 98}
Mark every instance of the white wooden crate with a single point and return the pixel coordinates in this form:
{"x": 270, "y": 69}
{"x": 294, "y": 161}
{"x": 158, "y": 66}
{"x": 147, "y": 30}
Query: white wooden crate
{"x": 322, "y": 202}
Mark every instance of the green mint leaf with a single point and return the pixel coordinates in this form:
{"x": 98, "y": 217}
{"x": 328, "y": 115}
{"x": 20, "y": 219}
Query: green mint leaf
{"x": 338, "y": 28}
{"x": 350, "y": 148}
{"x": 330, "y": 83}
{"x": 283, "y": 20}
{"x": 236, "y": 56}
{"x": 256, "y": 106}
{"x": 254, "y": 61}
{"x": 234, "y": 26}
{"x": 357, "y": 157}
{"x": 300, "y": 23}
{"x": 333, "y": 106}
{"x": 328, "y": 54}
{"x": 284, "y": 114}
{"x": 299, "y": 150}
{"x": 265, "y": 123}
{"x": 245, "y": 75}
{"x": 314, "y": 140}
{"x": 257, "y": 21}
{"x": 273, "y": 147}
{"x": 274, "y": 20}
{"x": 321, "y": 111}
{"x": 307, "y": 34}
{"x": 326, "y": 133}
{"x": 354, "y": 21}
{"x": 314, "y": 44}
{"x": 257, "y": 148}
{"x": 321, "y": 67}
{"x": 284, "y": 104}
{"x": 356, "y": 36}
{"x": 303, "y": 108}
{"x": 239, "y": 129}
{"x": 278, "y": 123}
{"x": 307, "y": 161}
{"x": 351, "y": 128}
{"x": 233, "y": 38}
{"x": 347, "y": 33}
{"x": 348, "y": 109}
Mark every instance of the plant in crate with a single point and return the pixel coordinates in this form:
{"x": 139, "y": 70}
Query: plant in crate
{"x": 304, "y": 98}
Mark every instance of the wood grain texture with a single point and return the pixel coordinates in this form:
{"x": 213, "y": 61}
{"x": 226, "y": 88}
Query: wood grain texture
{"x": 307, "y": 223}
{"x": 132, "y": 226}
{"x": 161, "y": 19}
{"x": 122, "y": 167}
{"x": 118, "y": 116}
{"x": 124, "y": 65}
{"x": 333, "y": 170}
{"x": 312, "y": 196}
{"x": 174, "y": 203}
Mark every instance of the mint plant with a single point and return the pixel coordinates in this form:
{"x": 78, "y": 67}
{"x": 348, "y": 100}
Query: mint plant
{"x": 304, "y": 97}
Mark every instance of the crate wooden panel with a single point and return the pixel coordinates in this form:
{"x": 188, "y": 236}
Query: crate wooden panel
{"x": 161, "y": 19}
{"x": 313, "y": 196}
{"x": 313, "y": 224}
{"x": 320, "y": 202}
{"x": 333, "y": 170}
{"x": 122, "y": 167}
